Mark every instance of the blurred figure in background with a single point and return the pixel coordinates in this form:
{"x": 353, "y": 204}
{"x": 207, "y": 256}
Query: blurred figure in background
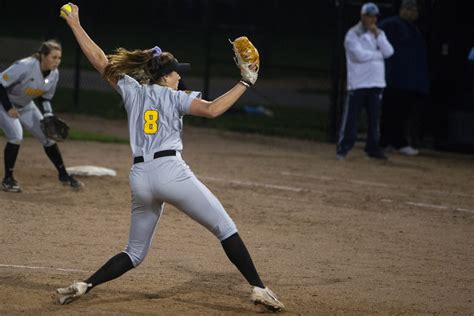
{"x": 27, "y": 80}
{"x": 366, "y": 48}
{"x": 407, "y": 81}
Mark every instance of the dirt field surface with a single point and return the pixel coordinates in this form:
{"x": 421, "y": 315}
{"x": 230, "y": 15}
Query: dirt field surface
{"x": 354, "y": 237}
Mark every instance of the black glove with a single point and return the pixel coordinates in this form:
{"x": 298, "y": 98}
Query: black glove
{"x": 54, "y": 128}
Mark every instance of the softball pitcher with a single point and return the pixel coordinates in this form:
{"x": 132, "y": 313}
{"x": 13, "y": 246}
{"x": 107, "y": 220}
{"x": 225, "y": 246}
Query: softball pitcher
{"x": 159, "y": 174}
{"x": 30, "y": 78}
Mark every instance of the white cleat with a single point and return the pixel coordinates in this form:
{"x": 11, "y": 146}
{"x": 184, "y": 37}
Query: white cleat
{"x": 409, "y": 151}
{"x": 72, "y": 292}
{"x": 266, "y": 298}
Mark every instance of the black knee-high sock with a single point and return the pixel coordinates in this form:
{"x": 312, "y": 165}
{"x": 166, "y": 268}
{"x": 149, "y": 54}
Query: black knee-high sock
{"x": 10, "y": 153}
{"x": 55, "y": 156}
{"x": 238, "y": 254}
{"x": 112, "y": 269}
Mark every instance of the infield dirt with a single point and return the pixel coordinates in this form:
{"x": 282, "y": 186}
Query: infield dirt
{"x": 329, "y": 237}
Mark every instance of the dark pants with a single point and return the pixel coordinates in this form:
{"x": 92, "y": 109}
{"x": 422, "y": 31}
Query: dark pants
{"x": 400, "y": 121}
{"x": 369, "y": 98}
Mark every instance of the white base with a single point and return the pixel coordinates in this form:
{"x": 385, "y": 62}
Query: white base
{"x": 91, "y": 171}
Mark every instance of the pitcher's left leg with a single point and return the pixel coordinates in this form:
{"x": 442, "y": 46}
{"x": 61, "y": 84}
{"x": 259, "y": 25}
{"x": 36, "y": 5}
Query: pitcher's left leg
{"x": 193, "y": 198}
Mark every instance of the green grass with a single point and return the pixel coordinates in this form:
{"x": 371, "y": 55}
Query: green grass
{"x": 287, "y": 121}
{"x": 101, "y": 104}
{"x": 86, "y": 136}
{"x": 95, "y": 137}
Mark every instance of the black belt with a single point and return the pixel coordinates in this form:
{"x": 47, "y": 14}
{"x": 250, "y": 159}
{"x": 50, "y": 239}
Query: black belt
{"x": 158, "y": 154}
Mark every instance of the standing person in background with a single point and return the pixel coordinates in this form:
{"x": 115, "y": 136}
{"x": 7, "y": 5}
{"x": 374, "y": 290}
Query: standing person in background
{"x": 407, "y": 80}
{"x": 31, "y": 78}
{"x": 366, "y": 48}
{"x": 159, "y": 175}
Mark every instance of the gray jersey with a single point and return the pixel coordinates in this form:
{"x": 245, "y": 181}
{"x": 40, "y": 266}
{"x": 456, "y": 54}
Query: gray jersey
{"x": 155, "y": 116}
{"x": 155, "y": 119}
{"x": 24, "y": 82}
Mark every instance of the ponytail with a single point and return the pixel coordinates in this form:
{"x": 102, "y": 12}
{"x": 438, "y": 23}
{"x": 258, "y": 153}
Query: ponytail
{"x": 139, "y": 64}
{"x": 125, "y": 62}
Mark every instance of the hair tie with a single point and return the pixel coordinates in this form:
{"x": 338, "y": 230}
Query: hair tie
{"x": 156, "y": 51}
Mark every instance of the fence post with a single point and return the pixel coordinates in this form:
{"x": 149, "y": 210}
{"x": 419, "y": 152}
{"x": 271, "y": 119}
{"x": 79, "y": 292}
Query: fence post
{"x": 336, "y": 91}
{"x": 208, "y": 44}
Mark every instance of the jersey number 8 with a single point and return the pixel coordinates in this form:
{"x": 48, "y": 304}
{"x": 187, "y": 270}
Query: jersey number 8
{"x": 151, "y": 122}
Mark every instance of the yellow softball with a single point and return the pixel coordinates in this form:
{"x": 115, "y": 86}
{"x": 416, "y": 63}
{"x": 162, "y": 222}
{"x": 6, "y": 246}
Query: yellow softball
{"x": 67, "y": 7}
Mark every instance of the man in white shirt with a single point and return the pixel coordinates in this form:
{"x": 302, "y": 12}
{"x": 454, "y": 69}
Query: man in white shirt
{"x": 366, "y": 48}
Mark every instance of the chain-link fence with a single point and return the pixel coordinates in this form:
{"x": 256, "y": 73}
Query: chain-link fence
{"x": 303, "y": 64}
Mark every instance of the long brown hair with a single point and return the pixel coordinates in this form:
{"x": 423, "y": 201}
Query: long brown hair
{"x": 139, "y": 64}
{"x": 46, "y": 48}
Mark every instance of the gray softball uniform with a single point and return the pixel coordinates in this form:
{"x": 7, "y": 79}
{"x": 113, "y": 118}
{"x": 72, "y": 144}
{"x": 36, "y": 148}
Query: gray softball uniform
{"x": 24, "y": 82}
{"x": 155, "y": 122}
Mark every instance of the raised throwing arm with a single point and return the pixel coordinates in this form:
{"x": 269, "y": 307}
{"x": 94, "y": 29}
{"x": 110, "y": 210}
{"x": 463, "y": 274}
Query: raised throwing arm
{"x": 93, "y": 52}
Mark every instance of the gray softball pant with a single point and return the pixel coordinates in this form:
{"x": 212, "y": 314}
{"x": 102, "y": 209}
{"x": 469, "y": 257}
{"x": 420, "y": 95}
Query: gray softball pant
{"x": 169, "y": 179}
{"x": 30, "y": 117}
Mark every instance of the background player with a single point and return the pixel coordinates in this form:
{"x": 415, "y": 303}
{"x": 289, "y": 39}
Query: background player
{"x": 31, "y": 78}
{"x": 366, "y": 48}
{"x": 159, "y": 174}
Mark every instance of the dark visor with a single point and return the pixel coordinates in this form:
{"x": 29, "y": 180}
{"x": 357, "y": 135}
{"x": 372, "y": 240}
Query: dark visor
{"x": 173, "y": 65}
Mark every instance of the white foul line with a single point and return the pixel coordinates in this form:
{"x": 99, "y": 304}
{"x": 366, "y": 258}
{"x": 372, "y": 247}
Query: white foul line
{"x": 432, "y": 206}
{"x": 325, "y": 178}
{"x": 376, "y": 184}
{"x": 439, "y": 207}
{"x": 297, "y": 189}
{"x": 257, "y": 184}
{"x": 459, "y": 209}
{"x": 18, "y": 266}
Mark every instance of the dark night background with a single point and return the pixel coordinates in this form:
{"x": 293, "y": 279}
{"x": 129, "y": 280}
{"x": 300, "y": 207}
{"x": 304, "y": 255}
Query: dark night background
{"x": 298, "y": 41}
